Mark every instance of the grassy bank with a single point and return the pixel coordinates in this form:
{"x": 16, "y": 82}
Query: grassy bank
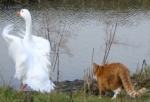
{"x": 9, "y": 95}
{"x": 141, "y": 78}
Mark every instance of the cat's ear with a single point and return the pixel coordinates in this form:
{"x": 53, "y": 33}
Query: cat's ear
{"x": 94, "y": 64}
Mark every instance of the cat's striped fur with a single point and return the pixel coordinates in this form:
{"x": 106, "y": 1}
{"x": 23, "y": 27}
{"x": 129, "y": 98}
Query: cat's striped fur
{"x": 114, "y": 77}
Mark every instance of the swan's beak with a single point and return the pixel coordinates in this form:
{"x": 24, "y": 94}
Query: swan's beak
{"x": 18, "y": 13}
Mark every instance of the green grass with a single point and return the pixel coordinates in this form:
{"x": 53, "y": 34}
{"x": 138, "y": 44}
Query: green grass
{"x": 7, "y": 94}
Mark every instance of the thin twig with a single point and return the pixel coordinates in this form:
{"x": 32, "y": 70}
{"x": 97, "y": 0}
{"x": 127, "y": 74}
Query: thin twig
{"x": 108, "y": 43}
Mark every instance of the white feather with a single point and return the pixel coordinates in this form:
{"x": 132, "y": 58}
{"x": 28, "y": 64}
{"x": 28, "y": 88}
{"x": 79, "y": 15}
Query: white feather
{"x": 16, "y": 51}
{"x": 31, "y": 55}
{"x": 43, "y": 48}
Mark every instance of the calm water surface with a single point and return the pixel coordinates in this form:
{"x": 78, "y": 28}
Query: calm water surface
{"x": 86, "y": 24}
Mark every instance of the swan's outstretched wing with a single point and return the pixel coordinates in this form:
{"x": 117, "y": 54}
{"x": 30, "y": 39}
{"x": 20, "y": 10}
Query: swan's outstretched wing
{"x": 42, "y": 44}
{"x": 8, "y": 38}
{"x": 13, "y": 42}
{"x": 43, "y": 52}
{"x": 16, "y": 51}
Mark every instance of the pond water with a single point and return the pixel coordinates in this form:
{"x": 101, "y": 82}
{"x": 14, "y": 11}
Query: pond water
{"x": 85, "y": 22}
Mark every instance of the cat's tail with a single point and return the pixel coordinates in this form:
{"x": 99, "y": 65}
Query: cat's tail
{"x": 125, "y": 77}
{"x": 137, "y": 94}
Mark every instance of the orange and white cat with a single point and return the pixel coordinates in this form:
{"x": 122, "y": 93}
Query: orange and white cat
{"x": 114, "y": 77}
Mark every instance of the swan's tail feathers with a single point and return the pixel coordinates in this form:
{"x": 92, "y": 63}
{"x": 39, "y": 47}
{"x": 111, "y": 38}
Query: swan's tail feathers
{"x": 47, "y": 86}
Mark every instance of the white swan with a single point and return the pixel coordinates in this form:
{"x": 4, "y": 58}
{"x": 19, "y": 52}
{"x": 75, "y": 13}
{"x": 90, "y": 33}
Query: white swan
{"x": 31, "y": 55}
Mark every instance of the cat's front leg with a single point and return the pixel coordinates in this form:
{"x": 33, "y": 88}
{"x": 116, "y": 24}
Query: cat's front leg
{"x": 101, "y": 92}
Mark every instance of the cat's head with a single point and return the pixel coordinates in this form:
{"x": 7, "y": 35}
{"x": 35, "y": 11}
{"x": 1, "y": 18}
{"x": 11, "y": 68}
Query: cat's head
{"x": 97, "y": 69}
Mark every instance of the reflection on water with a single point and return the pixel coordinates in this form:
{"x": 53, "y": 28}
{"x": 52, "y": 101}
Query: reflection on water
{"x": 87, "y": 19}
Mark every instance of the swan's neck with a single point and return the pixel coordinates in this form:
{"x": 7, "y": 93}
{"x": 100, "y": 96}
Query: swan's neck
{"x": 28, "y": 35}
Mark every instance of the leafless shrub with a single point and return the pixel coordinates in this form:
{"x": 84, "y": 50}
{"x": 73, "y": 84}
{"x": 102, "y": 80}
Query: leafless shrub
{"x": 110, "y": 38}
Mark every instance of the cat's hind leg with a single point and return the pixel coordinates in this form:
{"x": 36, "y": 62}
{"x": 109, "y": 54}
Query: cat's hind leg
{"x": 116, "y": 92}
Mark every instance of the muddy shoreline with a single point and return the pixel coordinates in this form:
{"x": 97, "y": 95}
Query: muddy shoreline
{"x": 72, "y": 86}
